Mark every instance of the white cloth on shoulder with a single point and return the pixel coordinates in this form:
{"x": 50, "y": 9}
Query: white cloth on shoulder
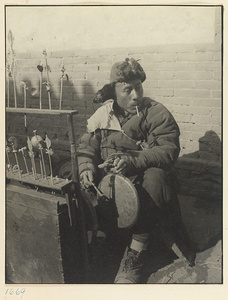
{"x": 104, "y": 118}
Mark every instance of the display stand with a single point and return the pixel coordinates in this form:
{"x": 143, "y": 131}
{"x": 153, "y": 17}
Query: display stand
{"x": 50, "y": 192}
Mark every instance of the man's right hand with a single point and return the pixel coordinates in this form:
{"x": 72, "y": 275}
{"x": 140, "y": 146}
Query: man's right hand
{"x": 86, "y": 178}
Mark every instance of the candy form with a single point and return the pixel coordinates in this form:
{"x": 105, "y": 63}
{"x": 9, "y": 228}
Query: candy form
{"x": 48, "y": 87}
{"x": 42, "y": 164}
{"x": 31, "y": 154}
{"x": 49, "y": 151}
{"x": 40, "y": 68}
{"x": 13, "y": 142}
{"x": 22, "y": 151}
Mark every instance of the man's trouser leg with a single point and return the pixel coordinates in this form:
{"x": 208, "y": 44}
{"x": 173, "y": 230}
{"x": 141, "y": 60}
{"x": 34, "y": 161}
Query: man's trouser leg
{"x": 161, "y": 188}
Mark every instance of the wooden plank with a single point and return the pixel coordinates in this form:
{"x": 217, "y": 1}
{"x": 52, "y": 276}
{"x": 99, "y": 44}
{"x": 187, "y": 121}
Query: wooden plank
{"x": 33, "y": 254}
{"x": 41, "y": 246}
{"x": 56, "y": 184}
{"x": 40, "y": 111}
{"x": 31, "y": 198}
{"x": 71, "y": 251}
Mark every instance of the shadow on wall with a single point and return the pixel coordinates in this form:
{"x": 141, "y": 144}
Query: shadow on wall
{"x": 73, "y": 98}
{"x": 200, "y": 172}
{"x": 200, "y": 194}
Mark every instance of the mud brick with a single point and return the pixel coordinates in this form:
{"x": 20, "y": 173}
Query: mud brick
{"x": 176, "y": 48}
{"x": 206, "y": 102}
{"x": 186, "y": 57}
{"x": 149, "y": 58}
{"x": 208, "y": 84}
{"x": 153, "y": 66}
{"x": 60, "y": 54}
{"x": 217, "y": 75}
{"x": 166, "y": 75}
{"x": 152, "y": 75}
{"x": 216, "y": 94}
{"x": 213, "y": 65}
{"x": 204, "y": 47}
{"x": 181, "y": 84}
{"x": 196, "y": 75}
{"x": 103, "y": 67}
{"x": 150, "y": 83}
{"x": 105, "y": 59}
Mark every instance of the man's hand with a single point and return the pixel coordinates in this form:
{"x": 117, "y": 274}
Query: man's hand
{"x": 120, "y": 164}
{"x": 86, "y": 178}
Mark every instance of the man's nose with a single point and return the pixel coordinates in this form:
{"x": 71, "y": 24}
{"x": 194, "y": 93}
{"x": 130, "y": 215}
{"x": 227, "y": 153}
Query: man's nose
{"x": 134, "y": 94}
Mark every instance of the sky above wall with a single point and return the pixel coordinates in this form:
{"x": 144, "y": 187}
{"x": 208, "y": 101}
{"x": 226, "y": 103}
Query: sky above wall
{"x": 71, "y": 27}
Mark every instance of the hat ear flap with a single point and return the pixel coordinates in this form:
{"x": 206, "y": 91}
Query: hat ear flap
{"x": 106, "y": 93}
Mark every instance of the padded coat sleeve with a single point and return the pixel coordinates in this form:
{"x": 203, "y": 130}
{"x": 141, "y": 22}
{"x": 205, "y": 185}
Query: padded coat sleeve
{"x": 162, "y": 137}
{"x": 89, "y": 151}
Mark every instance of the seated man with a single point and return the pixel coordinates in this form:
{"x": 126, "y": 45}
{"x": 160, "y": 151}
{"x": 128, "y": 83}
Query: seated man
{"x": 145, "y": 136}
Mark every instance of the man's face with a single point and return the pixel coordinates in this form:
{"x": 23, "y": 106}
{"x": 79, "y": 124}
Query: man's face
{"x": 129, "y": 95}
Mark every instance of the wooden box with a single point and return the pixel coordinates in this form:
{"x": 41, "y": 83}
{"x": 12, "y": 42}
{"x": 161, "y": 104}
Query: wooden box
{"x": 41, "y": 246}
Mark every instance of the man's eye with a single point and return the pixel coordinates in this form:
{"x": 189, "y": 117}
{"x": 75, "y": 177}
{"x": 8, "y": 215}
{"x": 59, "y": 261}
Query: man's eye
{"x": 128, "y": 91}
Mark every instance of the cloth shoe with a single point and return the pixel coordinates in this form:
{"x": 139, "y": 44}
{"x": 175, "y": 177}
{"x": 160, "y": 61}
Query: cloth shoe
{"x": 131, "y": 267}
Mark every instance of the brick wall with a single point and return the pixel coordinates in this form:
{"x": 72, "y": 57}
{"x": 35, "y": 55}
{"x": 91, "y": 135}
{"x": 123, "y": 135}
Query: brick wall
{"x": 185, "y": 78}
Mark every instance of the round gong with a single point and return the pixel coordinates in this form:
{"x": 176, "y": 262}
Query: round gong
{"x": 126, "y": 198}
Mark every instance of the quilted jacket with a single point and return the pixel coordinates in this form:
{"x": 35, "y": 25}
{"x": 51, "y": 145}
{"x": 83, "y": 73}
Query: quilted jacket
{"x": 152, "y": 137}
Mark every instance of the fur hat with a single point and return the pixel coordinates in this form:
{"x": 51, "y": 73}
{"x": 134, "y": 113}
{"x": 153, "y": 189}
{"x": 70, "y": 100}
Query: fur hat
{"x": 126, "y": 71}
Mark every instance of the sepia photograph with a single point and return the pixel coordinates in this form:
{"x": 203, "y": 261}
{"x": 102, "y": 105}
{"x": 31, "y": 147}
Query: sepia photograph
{"x": 113, "y": 145}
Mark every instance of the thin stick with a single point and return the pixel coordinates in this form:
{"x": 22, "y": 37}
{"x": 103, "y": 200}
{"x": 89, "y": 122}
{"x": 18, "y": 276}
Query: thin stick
{"x": 33, "y": 172}
{"x": 137, "y": 111}
{"x": 22, "y": 151}
{"x": 48, "y": 83}
{"x": 40, "y": 90}
{"x": 41, "y": 168}
{"x": 97, "y": 190}
{"x": 34, "y": 166}
{"x": 61, "y": 86}
{"x": 14, "y": 146}
{"x": 49, "y": 99}
{"x": 14, "y": 89}
{"x": 42, "y": 159}
{"x": 15, "y": 153}
{"x": 49, "y": 156}
{"x": 25, "y": 117}
{"x": 31, "y": 154}
{"x": 8, "y": 159}
{"x": 26, "y": 166}
{"x": 48, "y": 143}
{"x": 8, "y": 85}
{"x": 61, "y": 93}
{"x": 11, "y": 39}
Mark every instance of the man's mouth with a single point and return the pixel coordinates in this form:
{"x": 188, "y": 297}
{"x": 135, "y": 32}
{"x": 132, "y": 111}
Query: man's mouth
{"x": 135, "y": 108}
